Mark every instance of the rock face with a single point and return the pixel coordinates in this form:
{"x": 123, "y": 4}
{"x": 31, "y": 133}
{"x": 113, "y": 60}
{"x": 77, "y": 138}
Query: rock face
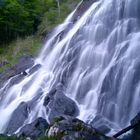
{"x": 20, "y": 115}
{"x": 35, "y": 129}
{"x": 17, "y": 119}
{"x": 136, "y": 130}
{"x": 135, "y": 126}
{"x": 70, "y": 128}
{"x": 82, "y": 8}
{"x": 102, "y": 124}
{"x": 57, "y": 103}
{"x": 24, "y": 63}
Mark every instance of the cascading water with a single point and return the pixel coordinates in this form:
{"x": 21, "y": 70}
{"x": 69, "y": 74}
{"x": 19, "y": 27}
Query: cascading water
{"x": 97, "y": 61}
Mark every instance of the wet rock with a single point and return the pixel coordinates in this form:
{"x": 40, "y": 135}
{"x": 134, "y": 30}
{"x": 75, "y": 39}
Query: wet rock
{"x": 34, "y": 68}
{"x": 59, "y": 104}
{"x": 136, "y": 119}
{"x": 24, "y": 63}
{"x": 70, "y": 128}
{"x": 135, "y": 126}
{"x": 102, "y": 124}
{"x": 136, "y": 131}
{"x": 62, "y": 105}
{"x": 17, "y": 119}
{"x": 35, "y": 129}
{"x": 82, "y": 8}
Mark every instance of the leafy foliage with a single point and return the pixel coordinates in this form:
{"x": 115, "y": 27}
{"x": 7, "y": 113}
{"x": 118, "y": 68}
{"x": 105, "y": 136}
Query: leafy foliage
{"x": 21, "y": 17}
{"x": 2, "y": 137}
{"x": 23, "y": 23}
{"x": 56, "y": 15}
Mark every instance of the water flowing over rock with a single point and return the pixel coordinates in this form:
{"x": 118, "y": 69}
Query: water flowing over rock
{"x": 95, "y": 57}
{"x": 136, "y": 131}
{"x": 19, "y": 68}
{"x": 17, "y": 119}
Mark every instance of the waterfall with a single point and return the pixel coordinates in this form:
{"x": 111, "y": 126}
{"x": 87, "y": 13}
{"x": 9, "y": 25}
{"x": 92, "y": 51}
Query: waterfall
{"x": 97, "y": 60}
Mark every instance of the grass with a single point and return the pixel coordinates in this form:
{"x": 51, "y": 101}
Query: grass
{"x": 10, "y": 53}
{"x": 45, "y": 138}
{"x": 2, "y": 137}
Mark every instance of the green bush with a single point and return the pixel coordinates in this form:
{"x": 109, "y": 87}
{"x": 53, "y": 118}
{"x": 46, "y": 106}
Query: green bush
{"x": 53, "y": 16}
{"x": 45, "y": 138}
{"x": 21, "y": 17}
{"x": 2, "y": 137}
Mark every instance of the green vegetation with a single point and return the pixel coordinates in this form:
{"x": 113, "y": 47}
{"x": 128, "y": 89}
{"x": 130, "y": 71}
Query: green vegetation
{"x": 7, "y": 138}
{"x": 24, "y": 23}
{"x": 56, "y": 15}
{"x": 45, "y": 138}
{"x": 14, "y": 50}
{"x": 21, "y": 17}
{"x": 2, "y": 137}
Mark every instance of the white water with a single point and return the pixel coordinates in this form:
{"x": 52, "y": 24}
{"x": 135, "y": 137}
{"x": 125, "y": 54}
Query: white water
{"x": 97, "y": 60}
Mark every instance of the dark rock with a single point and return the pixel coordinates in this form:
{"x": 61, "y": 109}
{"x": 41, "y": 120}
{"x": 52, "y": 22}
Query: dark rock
{"x": 59, "y": 104}
{"x": 136, "y": 119}
{"x": 62, "y": 105}
{"x": 136, "y": 131}
{"x": 102, "y": 124}
{"x": 23, "y": 64}
{"x": 70, "y": 128}
{"x": 34, "y": 68}
{"x": 82, "y": 8}
{"x": 17, "y": 119}
{"x": 103, "y": 128}
{"x": 16, "y": 79}
{"x": 24, "y": 73}
{"x": 35, "y": 129}
{"x": 135, "y": 126}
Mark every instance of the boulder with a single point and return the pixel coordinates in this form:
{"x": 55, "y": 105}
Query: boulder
{"x": 17, "y": 119}
{"x": 58, "y": 104}
{"x": 35, "y": 129}
{"x": 70, "y": 128}
{"x": 136, "y": 123}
